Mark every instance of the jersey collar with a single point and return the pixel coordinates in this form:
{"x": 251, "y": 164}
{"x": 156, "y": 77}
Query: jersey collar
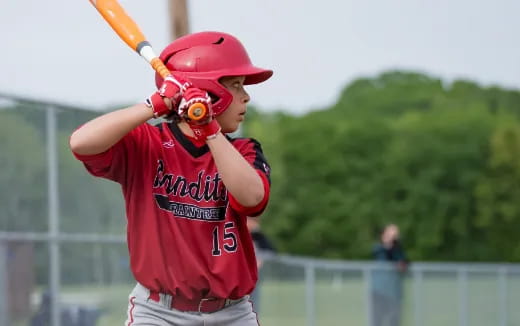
{"x": 190, "y": 144}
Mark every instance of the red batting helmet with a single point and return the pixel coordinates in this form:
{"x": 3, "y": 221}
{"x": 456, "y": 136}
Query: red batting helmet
{"x": 203, "y": 58}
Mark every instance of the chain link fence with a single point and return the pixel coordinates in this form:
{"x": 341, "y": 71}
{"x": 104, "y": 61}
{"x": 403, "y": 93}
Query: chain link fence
{"x": 63, "y": 258}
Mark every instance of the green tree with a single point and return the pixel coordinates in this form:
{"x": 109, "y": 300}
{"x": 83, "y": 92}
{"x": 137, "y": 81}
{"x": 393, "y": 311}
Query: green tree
{"x": 22, "y": 176}
{"x": 401, "y": 147}
{"x": 498, "y": 195}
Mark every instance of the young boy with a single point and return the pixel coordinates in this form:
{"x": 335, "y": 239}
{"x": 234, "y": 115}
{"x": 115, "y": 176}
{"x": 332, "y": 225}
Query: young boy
{"x": 188, "y": 188}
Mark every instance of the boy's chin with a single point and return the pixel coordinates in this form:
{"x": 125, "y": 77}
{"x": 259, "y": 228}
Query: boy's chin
{"x": 229, "y": 129}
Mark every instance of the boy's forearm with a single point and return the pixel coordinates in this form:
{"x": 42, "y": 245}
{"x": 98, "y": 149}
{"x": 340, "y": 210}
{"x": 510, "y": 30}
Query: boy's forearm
{"x": 101, "y": 133}
{"x": 240, "y": 178}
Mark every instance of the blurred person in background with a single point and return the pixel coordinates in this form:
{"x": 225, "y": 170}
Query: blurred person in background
{"x": 70, "y": 315}
{"x": 263, "y": 246}
{"x": 387, "y": 278}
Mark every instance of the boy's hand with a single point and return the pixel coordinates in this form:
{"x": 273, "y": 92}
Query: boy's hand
{"x": 195, "y": 108}
{"x": 168, "y": 96}
{"x": 172, "y": 86}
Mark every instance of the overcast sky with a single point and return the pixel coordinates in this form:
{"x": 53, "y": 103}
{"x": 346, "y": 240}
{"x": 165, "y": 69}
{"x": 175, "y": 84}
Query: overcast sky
{"x": 62, "y": 50}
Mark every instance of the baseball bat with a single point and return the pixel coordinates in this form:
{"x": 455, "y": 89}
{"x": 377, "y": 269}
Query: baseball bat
{"x": 130, "y": 33}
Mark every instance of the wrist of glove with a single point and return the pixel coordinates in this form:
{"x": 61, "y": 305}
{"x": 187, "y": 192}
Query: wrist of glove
{"x": 206, "y": 131}
{"x": 167, "y": 98}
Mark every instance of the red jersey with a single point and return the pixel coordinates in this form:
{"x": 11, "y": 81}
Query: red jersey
{"x": 186, "y": 235}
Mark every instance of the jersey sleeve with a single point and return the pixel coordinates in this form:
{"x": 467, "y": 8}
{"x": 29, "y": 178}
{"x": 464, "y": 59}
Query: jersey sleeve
{"x": 252, "y": 152}
{"x": 122, "y": 158}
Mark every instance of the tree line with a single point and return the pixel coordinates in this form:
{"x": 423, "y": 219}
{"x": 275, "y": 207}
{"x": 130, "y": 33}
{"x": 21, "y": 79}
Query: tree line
{"x": 440, "y": 160}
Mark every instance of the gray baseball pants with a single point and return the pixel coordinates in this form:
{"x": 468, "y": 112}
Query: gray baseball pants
{"x": 143, "y": 311}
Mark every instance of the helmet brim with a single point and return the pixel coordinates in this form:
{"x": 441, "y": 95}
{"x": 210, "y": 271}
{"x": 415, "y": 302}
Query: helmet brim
{"x": 254, "y": 75}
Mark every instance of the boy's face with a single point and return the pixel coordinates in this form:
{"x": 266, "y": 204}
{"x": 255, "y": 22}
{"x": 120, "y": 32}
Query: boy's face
{"x": 230, "y": 119}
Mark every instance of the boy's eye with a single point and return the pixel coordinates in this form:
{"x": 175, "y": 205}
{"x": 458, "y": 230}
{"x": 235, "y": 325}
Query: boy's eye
{"x": 238, "y": 86}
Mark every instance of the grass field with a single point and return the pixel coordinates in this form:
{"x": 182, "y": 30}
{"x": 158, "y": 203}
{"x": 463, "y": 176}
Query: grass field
{"x": 339, "y": 302}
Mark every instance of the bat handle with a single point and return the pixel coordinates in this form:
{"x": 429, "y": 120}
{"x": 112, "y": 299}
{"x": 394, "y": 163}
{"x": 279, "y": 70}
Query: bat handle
{"x": 159, "y": 66}
{"x": 197, "y": 111}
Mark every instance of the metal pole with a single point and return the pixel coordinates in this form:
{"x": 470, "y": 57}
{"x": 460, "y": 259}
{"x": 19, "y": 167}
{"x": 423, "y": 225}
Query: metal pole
{"x": 462, "y": 276}
{"x": 52, "y": 193}
{"x": 310, "y": 294}
{"x": 4, "y": 308}
{"x": 179, "y": 19}
{"x": 367, "y": 275}
{"x": 502, "y": 297}
{"x": 417, "y": 297}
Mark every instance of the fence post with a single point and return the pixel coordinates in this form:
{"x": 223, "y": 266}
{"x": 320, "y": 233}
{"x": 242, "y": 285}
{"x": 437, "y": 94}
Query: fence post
{"x": 462, "y": 276}
{"x": 53, "y": 203}
{"x": 367, "y": 275}
{"x": 502, "y": 296}
{"x": 310, "y": 293}
{"x": 417, "y": 297}
{"x": 4, "y": 295}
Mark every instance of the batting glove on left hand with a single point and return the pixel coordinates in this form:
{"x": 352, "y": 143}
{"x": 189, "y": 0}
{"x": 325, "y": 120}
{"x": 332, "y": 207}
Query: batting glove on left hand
{"x": 168, "y": 96}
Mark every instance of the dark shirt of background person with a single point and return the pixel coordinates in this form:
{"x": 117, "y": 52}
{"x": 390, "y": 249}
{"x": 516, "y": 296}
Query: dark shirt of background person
{"x": 387, "y": 278}
{"x": 262, "y": 246}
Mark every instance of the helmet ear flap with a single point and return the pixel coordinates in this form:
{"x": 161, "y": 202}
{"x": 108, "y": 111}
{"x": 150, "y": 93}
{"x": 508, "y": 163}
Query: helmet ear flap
{"x": 217, "y": 91}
